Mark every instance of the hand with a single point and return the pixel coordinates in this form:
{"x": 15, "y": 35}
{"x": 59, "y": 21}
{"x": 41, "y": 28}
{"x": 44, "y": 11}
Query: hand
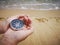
{"x": 11, "y": 37}
{"x": 4, "y": 25}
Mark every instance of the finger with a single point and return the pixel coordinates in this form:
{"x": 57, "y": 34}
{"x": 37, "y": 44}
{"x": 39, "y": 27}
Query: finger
{"x": 27, "y": 21}
{"x": 4, "y": 26}
{"x": 25, "y": 31}
{"x": 20, "y": 35}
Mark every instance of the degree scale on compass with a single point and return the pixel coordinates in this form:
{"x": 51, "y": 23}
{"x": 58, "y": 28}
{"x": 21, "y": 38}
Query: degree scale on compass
{"x": 16, "y": 24}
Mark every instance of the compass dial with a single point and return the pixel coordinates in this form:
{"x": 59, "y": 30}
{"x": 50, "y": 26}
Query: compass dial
{"x": 16, "y": 24}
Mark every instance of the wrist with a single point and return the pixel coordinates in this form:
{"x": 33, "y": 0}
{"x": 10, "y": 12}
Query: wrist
{"x": 7, "y": 41}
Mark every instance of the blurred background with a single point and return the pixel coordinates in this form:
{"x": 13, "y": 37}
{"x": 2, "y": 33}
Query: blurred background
{"x": 30, "y": 4}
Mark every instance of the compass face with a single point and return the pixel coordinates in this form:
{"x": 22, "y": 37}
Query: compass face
{"x": 17, "y": 24}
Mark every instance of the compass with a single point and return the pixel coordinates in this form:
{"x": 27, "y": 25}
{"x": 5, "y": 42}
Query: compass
{"x": 16, "y": 24}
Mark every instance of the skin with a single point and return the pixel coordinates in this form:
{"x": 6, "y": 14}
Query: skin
{"x": 12, "y": 37}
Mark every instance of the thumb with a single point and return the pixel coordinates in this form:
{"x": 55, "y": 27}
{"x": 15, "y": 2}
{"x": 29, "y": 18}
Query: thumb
{"x": 4, "y": 25}
{"x": 22, "y": 34}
